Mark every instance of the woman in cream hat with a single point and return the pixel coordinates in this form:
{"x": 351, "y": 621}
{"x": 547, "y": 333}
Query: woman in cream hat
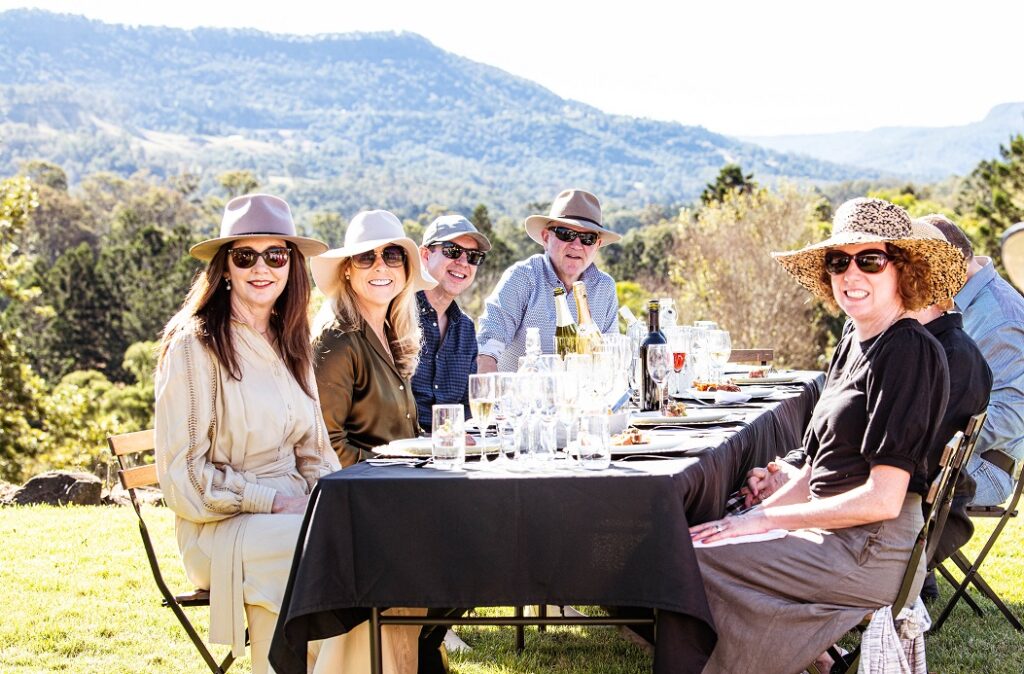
{"x": 849, "y": 517}
{"x": 367, "y": 337}
{"x": 235, "y": 469}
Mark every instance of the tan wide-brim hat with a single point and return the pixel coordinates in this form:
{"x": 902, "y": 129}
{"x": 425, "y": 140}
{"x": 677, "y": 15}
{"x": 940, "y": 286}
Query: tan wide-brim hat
{"x": 256, "y": 216}
{"x": 877, "y": 221}
{"x": 367, "y": 231}
{"x": 576, "y": 208}
{"x": 1013, "y": 254}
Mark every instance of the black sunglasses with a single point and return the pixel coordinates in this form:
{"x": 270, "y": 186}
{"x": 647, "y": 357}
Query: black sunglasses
{"x": 275, "y": 257}
{"x": 393, "y": 256}
{"x": 568, "y": 235}
{"x": 868, "y": 261}
{"x": 454, "y": 251}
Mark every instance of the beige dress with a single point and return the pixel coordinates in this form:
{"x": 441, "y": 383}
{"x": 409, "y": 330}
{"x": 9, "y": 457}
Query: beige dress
{"x": 220, "y": 473}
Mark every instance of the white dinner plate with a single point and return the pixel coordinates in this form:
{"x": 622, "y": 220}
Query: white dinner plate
{"x": 754, "y": 392}
{"x": 420, "y": 447}
{"x": 693, "y": 416}
{"x": 772, "y": 378}
{"x": 657, "y": 442}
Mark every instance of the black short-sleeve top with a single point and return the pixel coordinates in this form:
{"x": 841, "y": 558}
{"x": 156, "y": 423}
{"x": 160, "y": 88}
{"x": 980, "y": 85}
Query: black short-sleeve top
{"x": 882, "y": 404}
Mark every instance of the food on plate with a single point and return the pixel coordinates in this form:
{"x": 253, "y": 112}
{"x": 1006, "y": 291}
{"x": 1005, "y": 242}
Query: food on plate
{"x": 712, "y": 386}
{"x": 757, "y": 374}
{"x": 630, "y": 437}
{"x": 675, "y": 410}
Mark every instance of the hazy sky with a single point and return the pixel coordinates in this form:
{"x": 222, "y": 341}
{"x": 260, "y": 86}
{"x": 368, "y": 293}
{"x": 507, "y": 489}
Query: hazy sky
{"x": 741, "y": 67}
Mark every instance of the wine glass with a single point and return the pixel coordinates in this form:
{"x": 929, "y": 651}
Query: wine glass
{"x": 568, "y": 405}
{"x": 659, "y": 362}
{"x": 547, "y": 411}
{"x": 602, "y": 378}
{"x": 719, "y": 348}
{"x": 504, "y": 413}
{"x": 679, "y": 340}
{"x": 481, "y": 404}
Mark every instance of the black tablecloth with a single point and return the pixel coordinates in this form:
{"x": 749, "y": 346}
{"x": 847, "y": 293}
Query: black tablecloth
{"x": 402, "y": 536}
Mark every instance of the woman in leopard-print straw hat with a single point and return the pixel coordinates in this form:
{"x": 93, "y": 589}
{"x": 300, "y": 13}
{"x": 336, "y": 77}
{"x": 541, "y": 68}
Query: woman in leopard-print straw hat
{"x": 847, "y": 519}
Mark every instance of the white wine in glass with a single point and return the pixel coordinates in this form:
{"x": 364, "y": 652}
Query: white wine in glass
{"x": 481, "y": 404}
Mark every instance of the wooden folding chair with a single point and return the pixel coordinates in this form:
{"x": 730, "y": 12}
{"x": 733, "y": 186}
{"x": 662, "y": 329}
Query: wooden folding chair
{"x": 757, "y": 356}
{"x": 937, "y": 502}
{"x": 969, "y": 569}
{"x": 131, "y": 449}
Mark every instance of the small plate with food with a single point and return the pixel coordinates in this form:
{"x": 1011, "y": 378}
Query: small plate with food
{"x": 637, "y": 441}
{"x": 678, "y": 413}
{"x": 737, "y": 395}
{"x": 763, "y": 376}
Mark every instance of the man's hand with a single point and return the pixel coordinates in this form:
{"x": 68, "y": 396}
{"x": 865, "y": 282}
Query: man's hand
{"x": 486, "y": 364}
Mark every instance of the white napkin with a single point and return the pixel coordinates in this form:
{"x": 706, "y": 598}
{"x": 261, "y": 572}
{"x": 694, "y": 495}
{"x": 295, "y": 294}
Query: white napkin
{"x": 729, "y": 397}
{"x": 769, "y": 535}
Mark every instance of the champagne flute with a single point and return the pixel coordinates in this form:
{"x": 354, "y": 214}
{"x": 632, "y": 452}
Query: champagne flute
{"x": 481, "y": 404}
{"x": 659, "y": 362}
{"x": 504, "y": 412}
{"x": 679, "y": 340}
{"x": 719, "y": 349}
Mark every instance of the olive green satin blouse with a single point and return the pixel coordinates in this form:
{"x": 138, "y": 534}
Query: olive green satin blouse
{"x": 365, "y": 402}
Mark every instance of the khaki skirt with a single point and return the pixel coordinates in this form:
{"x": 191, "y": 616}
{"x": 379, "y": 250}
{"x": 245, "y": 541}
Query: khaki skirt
{"x": 779, "y": 604}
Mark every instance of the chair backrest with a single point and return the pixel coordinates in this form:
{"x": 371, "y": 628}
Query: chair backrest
{"x": 759, "y": 356}
{"x": 937, "y": 500}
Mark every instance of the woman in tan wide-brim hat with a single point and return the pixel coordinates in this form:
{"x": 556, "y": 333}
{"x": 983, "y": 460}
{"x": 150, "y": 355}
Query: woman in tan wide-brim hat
{"x": 847, "y": 519}
{"x": 367, "y": 335}
{"x": 236, "y": 416}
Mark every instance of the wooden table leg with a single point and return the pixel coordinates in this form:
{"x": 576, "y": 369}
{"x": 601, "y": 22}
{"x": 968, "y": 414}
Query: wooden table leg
{"x": 376, "y": 658}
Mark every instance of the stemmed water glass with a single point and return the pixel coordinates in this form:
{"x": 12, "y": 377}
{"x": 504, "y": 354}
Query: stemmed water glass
{"x": 659, "y": 362}
{"x": 568, "y": 405}
{"x": 719, "y": 348}
{"x": 504, "y": 412}
{"x": 481, "y": 403}
{"x": 547, "y": 411}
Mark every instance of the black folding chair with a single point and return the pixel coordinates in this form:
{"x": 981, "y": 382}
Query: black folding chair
{"x": 970, "y": 569}
{"x": 130, "y": 449}
{"x": 937, "y": 502}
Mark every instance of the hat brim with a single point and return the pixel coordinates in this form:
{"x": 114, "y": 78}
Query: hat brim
{"x": 535, "y": 224}
{"x": 325, "y": 266}
{"x": 483, "y": 244}
{"x": 205, "y": 250}
{"x": 1013, "y": 254}
{"x": 947, "y": 268}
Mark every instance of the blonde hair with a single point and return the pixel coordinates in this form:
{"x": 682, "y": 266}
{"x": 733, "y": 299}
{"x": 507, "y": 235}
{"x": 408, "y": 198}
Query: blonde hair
{"x": 402, "y": 325}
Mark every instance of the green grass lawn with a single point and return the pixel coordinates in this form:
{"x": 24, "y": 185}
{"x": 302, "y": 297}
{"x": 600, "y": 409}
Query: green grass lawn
{"x": 77, "y": 596}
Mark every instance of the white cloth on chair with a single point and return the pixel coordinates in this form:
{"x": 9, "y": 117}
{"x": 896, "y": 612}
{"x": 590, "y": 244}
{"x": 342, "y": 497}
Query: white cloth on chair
{"x": 895, "y": 648}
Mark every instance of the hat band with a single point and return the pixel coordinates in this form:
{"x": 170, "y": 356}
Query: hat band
{"x": 581, "y": 217}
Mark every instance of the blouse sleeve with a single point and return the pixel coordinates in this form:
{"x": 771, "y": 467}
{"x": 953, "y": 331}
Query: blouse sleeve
{"x": 196, "y": 487}
{"x": 334, "y": 362}
{"x": 907, "y": 391}
{"x": 312, "y": 456}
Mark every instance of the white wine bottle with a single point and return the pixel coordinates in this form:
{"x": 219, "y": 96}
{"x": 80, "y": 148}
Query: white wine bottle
{"x": 566, "y": 332}
{"x": 589, "y": 334}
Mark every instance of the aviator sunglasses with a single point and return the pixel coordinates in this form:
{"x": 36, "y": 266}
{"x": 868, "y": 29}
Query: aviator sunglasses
{"x": 454, "y": 251}
{"x": 569, "y": 235}
{"x": 275, "y": 257}
{"x": 393, "y": 256}
{"x": 868, "y": 261}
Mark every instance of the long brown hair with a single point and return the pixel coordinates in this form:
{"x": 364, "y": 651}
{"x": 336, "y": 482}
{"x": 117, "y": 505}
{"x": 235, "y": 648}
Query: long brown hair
{"x": 207, "y": 311}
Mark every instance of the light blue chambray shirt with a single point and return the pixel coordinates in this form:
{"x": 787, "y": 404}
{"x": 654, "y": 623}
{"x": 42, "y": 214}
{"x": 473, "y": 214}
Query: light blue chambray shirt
{"x": 994, "y": 316}
{"x": 524, "y": 298}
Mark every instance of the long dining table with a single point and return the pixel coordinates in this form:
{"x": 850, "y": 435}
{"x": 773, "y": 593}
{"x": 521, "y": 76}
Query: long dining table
{"x": 401, "y": 535}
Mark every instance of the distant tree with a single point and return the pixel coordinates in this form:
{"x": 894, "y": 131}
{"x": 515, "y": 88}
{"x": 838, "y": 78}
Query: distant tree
{"x": 238, "y": 182}
{"x": 328, "y": 227}
{"x": 730, "y": 179}
{"x": 47, "y": 173}
{"x": 994, "y": 194}
{"x": 21, "y": 390}
{"x": 499, "y": 258}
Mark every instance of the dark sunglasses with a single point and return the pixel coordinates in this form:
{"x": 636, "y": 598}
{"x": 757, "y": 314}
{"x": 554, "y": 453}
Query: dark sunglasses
{"x": 393, "y": 256}
{"x": 275, "y": 257}
{"x": 454, "y": 251}
{"x": 868, "y": 261}
{"x": 569, "y": 235}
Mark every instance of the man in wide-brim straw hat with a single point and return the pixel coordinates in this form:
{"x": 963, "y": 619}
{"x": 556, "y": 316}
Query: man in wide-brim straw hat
{"x": 571, "y": 234}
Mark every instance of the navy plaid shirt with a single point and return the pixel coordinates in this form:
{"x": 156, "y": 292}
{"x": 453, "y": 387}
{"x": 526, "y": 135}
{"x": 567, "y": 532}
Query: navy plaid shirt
{"x": 442, "y": 376}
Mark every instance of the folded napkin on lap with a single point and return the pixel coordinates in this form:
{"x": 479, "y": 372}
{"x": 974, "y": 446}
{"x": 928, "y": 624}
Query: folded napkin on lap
{"x": 748, "y": 538}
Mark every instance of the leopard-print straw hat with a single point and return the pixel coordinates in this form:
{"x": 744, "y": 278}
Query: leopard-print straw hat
{"x": 877, "y": 221}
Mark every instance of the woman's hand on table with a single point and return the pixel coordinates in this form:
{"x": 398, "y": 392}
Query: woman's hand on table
{"x": 752, "y": 522}
{"x": 294, "y": 505}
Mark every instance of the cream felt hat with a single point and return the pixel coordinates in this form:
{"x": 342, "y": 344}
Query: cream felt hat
{"x": 577, "y": 208}
{"x": 255, "y": 216}
{"x": 367, "y": 231}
